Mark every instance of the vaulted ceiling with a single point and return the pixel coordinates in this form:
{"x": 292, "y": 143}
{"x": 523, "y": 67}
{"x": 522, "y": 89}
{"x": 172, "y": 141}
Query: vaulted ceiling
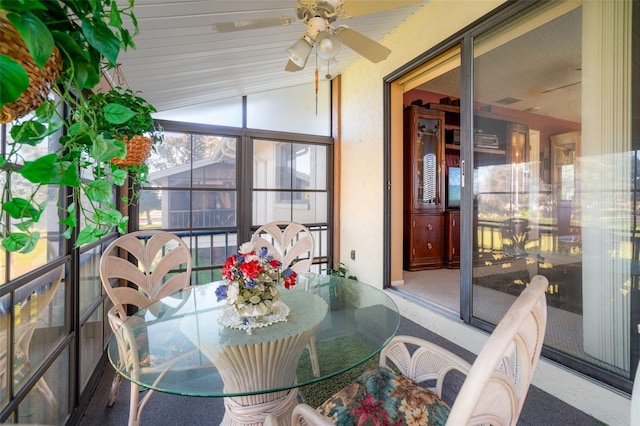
{"x": 180, "y": 60}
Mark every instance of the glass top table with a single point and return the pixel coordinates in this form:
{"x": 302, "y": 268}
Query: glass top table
{"x": 179, "y": 346}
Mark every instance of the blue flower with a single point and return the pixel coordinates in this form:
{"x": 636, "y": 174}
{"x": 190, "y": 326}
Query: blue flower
{"x": 221, "y": 292}
{"x": 287, "y": 272}
{"x": 250, "y": 283}
{"x": 263, "y": 252}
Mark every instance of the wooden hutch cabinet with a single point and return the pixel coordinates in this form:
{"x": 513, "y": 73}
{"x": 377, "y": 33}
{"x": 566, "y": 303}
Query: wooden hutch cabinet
{"x": 423, "y": 189}
{"x": 431, "y": 154}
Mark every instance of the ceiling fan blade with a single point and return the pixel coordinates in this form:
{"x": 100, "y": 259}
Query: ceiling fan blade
{"x": 250, "y": 24}
{"x": 369, "y": 48}
{"x": 292, "y": 67}
{"x": 354, "y": 8}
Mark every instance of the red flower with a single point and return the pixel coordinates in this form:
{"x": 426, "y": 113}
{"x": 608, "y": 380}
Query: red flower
{"x": 370, "y": 408}
{"x": 290, "y": 281}
{"x": 251, "y": 269}
{"x": 275, "y": 263}
{"x": 229, "y": 264}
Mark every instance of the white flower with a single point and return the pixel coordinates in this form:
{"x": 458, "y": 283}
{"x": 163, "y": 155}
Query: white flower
{"x": 232, "y": 292}
{"x": 246, "y": 248}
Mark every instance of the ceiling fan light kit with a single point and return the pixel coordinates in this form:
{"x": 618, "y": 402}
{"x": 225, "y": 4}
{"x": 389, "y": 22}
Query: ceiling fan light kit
{"x": 328, "y": 45}
{"x": 300, "y": 51}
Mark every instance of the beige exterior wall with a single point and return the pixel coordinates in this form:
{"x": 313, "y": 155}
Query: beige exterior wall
{"x": 362, "y": 156}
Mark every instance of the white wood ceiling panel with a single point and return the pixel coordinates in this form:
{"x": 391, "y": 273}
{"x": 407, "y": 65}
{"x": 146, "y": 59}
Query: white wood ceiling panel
{"x": 180, "y": 60}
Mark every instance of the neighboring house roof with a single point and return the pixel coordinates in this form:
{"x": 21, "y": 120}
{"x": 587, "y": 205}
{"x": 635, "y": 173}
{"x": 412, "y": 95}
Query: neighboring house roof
{"x": 225, "y": 153}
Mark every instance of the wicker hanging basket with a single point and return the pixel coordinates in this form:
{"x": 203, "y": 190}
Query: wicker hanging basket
{"x": 138, "y": 150}
{"x": 41, "y": 80}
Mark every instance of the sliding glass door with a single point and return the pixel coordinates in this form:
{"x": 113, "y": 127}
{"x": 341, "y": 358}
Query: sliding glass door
{"x": 554, "y": 171}
{"x": 539, "y": 114}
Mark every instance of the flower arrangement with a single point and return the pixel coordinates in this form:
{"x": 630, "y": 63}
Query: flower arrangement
{"x": 251, "y": 278}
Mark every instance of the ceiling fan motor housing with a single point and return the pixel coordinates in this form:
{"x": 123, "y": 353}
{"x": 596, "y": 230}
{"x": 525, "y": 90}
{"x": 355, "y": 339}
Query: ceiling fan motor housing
{"x": 315, "y": 26}
{"x": 328, "y": 10}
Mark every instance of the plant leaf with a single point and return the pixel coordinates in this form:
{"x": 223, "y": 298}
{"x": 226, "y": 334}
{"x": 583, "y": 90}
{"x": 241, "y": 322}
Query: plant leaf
{"x": 115, "y": 20}
{"x": 102, "y": 39}
{"x": 14, "y": 81}
{"x": 105, "y": 149}
{"x": 99, "y": 191}
{"x": 42, "y": 170}
{"x": 122, "y": 226}
{"x": 76, "y": 60}
{"x": 109, "y": 217}
{"x": 119, "y": 177}
{"x": 35, "y": 34}
{"x": 69, "y": 173}
{"x": 117, "y": 114}
{"x": 20, "y": 241}
{"x": 19, "y": 208}
{"x": 70, "y": 221}
{"x": 30, "y": 132}
{"x": 89, "y": 234}
{"x": 24, "y": 225}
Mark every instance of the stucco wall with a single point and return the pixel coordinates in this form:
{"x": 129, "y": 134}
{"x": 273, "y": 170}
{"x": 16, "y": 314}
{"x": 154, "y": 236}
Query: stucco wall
{"x": 362, "y": 128}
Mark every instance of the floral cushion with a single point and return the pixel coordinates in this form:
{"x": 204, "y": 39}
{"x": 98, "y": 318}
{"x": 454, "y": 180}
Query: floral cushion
{"x": 381, "y": 397}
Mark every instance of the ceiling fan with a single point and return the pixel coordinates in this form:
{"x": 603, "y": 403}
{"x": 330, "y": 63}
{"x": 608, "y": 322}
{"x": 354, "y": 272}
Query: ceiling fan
{"x": 319, "y": 16}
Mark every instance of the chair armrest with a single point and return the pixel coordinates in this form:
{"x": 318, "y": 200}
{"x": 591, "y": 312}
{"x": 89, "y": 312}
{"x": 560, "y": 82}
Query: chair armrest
{"x": 428, "y": 362}
{"x": 303, "y": 414}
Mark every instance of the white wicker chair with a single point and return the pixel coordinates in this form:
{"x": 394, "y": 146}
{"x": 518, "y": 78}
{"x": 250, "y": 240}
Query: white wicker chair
{"x": 292, "y": 244}
{"x": 496, "y": 384}
{"x": 145, "y": 260}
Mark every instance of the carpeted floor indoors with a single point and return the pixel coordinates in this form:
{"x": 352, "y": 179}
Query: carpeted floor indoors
{"x": 540, "y": 409}
{"x": 441, "y": 287}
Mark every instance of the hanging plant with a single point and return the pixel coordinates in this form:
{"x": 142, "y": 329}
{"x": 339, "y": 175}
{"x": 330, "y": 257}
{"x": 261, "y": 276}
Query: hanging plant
{"x": 88, "y": 35}
{"x": 91, "y": 143}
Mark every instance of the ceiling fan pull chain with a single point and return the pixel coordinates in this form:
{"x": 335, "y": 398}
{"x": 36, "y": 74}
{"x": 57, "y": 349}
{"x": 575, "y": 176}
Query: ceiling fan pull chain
{"x": 316, "y": 77}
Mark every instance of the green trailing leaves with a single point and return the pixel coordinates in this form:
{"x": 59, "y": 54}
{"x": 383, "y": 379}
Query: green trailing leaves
{"x": 119, "y": 177}
{"x": 14, "y": 81}
{"x": 29, "y": 133}
{"x": 20, "y": 241}
{"x": 74, "y": 55}
{"x": 102, "y": 39}
{"x": 89, "y": 235}
{"x": 42, "y": 170}
{"x": 87, "y": 33}
{"x": 19, "y": 208}
{"x": 105, "y": 149}
{"x": 99, "y": 191}
{"x": 35, "y": 34}
{"x": 107, "y": 217}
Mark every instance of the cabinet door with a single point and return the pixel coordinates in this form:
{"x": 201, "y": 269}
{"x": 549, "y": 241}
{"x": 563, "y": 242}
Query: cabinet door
{"x": 452, "y": 250}
{"x": 428, "y": 238}
{"x": 424, "y": 166}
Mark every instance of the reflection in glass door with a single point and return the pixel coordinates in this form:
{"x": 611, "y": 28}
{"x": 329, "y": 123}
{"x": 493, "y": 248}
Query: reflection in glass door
{"x": 563, "y": 210}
